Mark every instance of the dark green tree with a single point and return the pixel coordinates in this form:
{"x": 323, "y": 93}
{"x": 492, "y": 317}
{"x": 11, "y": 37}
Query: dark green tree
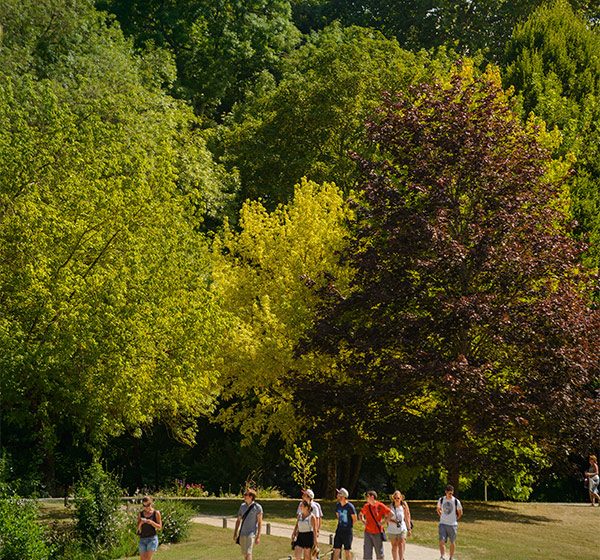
{"x": 553, "y": 61}
{"x": 464, "y": 24}
{"x": 307, "y": 124}
{"x": 220, "y": 48}
{"x": 468, "y": 342}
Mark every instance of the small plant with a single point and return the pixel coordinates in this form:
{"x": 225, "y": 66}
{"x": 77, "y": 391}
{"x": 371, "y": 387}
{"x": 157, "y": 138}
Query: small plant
{"x": 176, "y": 520}
{"x": 21, "y": 536}
{"x": 303, "y": 462}
{"x": 189, "y": 490}
{"x": 97, "y": 510}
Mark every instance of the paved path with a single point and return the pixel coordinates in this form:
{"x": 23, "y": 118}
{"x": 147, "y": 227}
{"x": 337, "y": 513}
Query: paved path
{"x": 413, "y": 551}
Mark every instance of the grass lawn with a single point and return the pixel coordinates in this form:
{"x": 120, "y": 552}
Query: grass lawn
{"x": 488, "y": 530}
{"x": 213, "y": 543}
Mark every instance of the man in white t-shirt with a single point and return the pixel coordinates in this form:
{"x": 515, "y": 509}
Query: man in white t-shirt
{"x": 450, "y": 511}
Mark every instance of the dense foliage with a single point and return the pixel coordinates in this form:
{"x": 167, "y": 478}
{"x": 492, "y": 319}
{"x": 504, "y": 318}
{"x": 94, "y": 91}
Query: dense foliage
{"x": 190, "y": 190}
{"x": 468, "y": 293}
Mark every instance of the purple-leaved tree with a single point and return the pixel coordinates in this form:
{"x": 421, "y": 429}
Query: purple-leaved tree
{"x": 469, "y": 341}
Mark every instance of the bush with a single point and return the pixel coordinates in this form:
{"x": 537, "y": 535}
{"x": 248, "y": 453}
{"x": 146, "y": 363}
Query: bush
{"x": 100, "y": 521}
{"x": 21, "y": 536}
{"x": 176, "y": 519}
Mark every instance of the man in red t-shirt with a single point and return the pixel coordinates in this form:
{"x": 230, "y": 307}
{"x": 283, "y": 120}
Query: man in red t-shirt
{"x": 372, "y": 515}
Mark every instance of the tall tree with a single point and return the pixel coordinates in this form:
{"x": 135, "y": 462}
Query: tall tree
{"x": 264, "y": 278}
{"x": 465, "y": 24}
{"x": 220, "y": 48}
{"x": 307, "y": 124}
{"x": 468, "y": 337}
{"x": 553, "y": 61}
{"x": 106, "y": 318}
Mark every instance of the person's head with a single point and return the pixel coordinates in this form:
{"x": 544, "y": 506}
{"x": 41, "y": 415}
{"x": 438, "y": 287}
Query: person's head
{"x": 449, "y": 490}
{"x": 305, "y": 507}
{"x": 342, "y": 495}
{"x": 371, "y": 496}
{"x": 397, "y": 497}
{"x": 249, "y": 495}
{"x": 308, "y": 494}
{"x": 147, "y": 502}
{"x": 593, "y": 459}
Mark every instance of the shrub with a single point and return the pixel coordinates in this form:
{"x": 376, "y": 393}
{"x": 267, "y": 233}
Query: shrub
{"x": 176, "y": 519}
{"x": 97, "y": 510}
{"x": 20, "y": 534}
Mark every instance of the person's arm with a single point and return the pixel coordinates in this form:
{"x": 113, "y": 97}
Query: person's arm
{"x": 385, "y": 513}
{"x": 258, "y": 527}
{"x": 459, "y": 511}
{"x": 139, "y": 523}
{"x": 315, "y": 525}
{"x": 439, "y": 508}
{"x": 237, "y": 526}
{"x": 407, "y": 517}
{"x": 295, "y": 531}
{"x": 156, "y": 524}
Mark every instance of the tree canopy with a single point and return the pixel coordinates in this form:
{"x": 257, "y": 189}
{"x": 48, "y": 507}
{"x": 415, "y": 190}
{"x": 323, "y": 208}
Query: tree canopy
{"x": 468, "y": 334}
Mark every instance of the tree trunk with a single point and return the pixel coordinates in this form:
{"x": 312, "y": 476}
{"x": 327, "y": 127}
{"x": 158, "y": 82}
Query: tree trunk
{"x": 331, "y": 478}
{"x": 354, "y": 473}
{"x": 453, "y": 468}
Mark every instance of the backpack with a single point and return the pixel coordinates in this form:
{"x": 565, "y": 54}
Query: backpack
{"x": 440, "y": 501}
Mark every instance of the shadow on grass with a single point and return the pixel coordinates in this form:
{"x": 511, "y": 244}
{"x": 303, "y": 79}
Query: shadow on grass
{"x": 421, "y": 511}
{"x": 478, "y": 511}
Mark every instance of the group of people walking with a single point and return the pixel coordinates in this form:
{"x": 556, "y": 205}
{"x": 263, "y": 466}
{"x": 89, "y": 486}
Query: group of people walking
{"x": 381, "y": 523}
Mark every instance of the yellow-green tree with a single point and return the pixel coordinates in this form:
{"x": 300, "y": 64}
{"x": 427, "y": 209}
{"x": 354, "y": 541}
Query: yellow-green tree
{"x": 106, "y": 319}
{"x": 264, "y": 276}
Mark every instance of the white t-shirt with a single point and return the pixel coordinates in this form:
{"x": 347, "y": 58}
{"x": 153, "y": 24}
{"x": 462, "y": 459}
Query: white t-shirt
{"x": 449, "y": 507}
{"x": 315, "y": 509}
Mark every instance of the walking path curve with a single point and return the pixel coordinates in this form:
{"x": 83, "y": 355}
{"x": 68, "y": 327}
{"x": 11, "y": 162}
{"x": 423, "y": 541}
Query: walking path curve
{"x": 413, "y": 551}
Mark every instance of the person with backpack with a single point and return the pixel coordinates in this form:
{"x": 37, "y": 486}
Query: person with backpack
{"x": 248, "y": 524}
{"x": 450, "y": 511}
{"x": 372, "y": 514}
{"x": 399, "y": 525}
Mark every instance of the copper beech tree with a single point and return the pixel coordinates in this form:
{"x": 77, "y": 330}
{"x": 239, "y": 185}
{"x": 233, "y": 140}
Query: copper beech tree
{"x": 468, "y": 341}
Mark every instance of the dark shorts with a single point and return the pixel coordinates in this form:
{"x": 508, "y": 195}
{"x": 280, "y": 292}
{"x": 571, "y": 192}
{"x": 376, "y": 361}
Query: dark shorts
{"x": 305, "y": 540}
{"x": 343, "y": 537}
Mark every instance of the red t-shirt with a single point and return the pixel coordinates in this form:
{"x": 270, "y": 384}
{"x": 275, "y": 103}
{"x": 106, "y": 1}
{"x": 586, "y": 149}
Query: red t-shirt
{"x": 375, "y": 512}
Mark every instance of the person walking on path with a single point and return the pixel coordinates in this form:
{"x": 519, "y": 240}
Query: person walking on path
{"x": 593, "y": 479}
{"x": 346, "y": 516}
{"x": 149, "y": 522}
{"x": 450, "y": 511}
{"x": 398, "y": 525}
{"x": 304, "y": 533}
{"x": 309, "y": 496}
{"x": 372, "y": 514}
{"x": 248, "y": 524}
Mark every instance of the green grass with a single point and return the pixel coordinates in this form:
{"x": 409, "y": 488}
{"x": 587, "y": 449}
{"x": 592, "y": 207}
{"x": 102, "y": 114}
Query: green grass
{"x": 213, "y": 543}
{"x": 488, "y": 530}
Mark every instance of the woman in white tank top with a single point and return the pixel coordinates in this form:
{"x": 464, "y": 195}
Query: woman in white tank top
{"x": 303, "y": 535}
{"x": 398, "y": 525}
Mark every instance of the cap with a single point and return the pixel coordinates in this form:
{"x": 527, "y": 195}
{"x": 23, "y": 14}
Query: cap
{"x": 343, "y": 492}
{"x": 309, "y": 493}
